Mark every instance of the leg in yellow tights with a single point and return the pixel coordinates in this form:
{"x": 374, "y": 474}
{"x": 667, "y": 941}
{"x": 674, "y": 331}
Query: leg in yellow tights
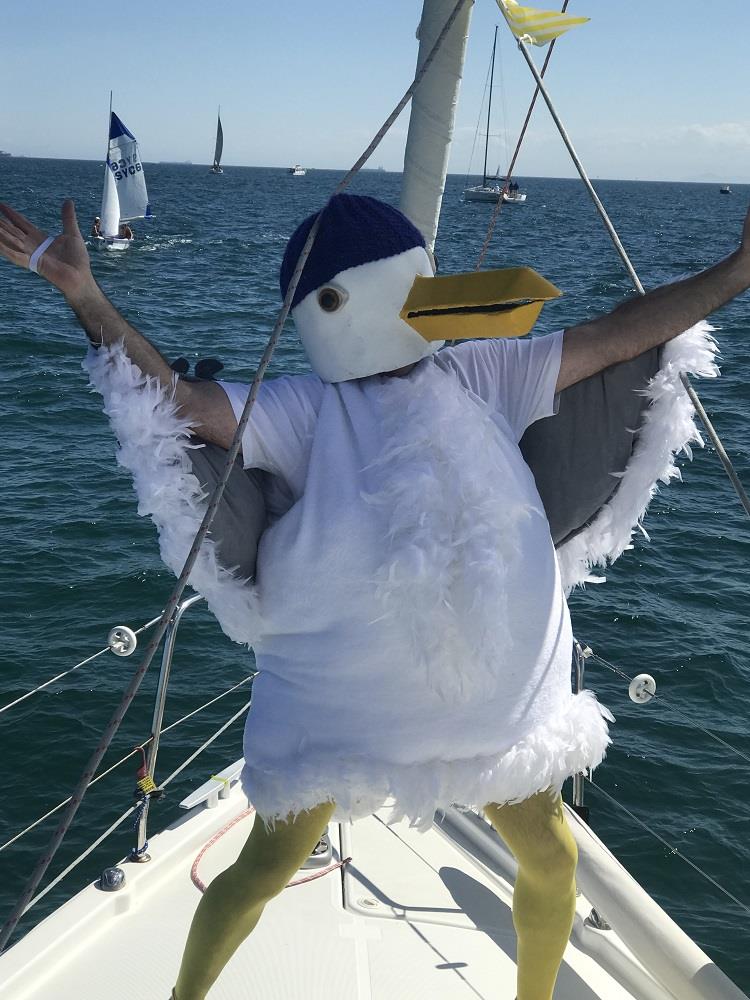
{"x": 544, "y": 898}
{"x": 231, "y": 906}
{"x": 543, "y": 902}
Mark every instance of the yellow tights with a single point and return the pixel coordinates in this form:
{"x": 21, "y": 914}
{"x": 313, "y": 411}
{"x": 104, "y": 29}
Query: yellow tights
{"x": 544, "y": 898}
{"x": 543, "y": 901}
{"x": 232, "y": 904}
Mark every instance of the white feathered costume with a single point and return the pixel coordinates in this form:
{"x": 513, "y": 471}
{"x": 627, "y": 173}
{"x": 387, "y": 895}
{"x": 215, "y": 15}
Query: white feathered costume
{"x": 408, "y": 613}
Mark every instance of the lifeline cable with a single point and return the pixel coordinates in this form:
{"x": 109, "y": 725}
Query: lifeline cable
{"x": 619, "y": 672}
{"x": 132, "y": 689}
{"x": 83, "y": 663}
{"x": 670, "y": 847}
{"x": 692, "y": 394}
{"x": 126, "y": 758}
{"x": 121, "y": 819}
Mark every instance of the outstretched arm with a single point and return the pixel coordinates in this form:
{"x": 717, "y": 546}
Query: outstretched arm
{"x": 652, "y": 319}
{"x": 66, "y": 266}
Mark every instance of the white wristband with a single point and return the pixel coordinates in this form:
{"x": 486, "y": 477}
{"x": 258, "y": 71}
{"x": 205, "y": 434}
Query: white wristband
{"x": 34, "y": 259}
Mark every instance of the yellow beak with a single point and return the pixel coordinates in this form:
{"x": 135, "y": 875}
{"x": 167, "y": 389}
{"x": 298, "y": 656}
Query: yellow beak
{"x": 502, "y": 303}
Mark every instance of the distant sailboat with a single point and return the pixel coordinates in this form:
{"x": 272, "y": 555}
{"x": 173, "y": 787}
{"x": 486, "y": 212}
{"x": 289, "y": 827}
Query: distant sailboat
{"x": 216, "y": 168}
{"x": 491, "y": 189}
{"x": 124, "y": 196}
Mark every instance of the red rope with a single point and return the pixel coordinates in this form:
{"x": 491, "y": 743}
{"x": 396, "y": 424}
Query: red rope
{"x": 200, "y": 884}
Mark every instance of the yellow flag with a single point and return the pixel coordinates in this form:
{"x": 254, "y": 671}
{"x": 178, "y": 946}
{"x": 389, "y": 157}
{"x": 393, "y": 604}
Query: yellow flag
{"x": 537, "y": 26}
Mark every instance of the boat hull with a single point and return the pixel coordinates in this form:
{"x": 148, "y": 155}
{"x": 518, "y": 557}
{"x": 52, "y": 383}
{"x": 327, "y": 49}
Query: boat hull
{"x": 110, "y": 243}
{"x": 483, "y": 194}
{"x": 492, "y": 194}
{"x": 373, "y": 933}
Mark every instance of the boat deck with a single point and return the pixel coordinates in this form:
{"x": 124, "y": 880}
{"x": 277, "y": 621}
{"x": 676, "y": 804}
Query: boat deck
{"x": 415, "y": 915}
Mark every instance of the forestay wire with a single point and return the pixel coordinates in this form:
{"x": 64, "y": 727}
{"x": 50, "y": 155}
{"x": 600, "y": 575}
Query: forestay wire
{"x": 114, "y": 723}
{"x": 689, "y": 388}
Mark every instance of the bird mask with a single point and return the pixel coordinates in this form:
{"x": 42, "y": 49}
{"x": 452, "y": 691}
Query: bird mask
{"x": 368, "y": 301}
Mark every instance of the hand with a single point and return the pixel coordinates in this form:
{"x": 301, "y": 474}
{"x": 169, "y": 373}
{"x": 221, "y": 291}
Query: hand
{"x": 65, "y": 263}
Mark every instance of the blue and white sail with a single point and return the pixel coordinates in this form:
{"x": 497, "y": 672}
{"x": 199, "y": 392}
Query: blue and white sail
{"x": 127, "y": 196}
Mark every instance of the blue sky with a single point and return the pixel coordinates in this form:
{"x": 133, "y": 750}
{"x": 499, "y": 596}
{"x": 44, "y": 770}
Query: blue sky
{"x": 650, "y": 90}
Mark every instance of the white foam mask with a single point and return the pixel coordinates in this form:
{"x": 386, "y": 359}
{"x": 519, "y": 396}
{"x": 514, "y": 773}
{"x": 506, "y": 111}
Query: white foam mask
{"x": 363, "y": 333}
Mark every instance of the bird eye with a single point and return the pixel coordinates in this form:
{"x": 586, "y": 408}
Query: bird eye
{"x": 330, "y": 299}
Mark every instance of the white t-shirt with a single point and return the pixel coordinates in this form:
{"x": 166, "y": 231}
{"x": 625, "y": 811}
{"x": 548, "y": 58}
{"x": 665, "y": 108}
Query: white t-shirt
{"x": 415, "y": 640}
{"x": 515, "y": 377}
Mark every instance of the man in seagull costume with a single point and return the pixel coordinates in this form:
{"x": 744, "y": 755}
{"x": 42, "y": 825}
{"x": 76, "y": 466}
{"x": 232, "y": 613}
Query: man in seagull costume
{"x": 407, "y": 611}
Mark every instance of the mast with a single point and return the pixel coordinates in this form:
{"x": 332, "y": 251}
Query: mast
{"x": 110, "y": 210}
{"x": 433, "y": 112}
{"x": 489, "y": 109}
{"x": 109, "y": 125}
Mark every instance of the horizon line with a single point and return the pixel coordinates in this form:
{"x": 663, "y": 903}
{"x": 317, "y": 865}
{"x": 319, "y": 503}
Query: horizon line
{"x": 375, "y": 169}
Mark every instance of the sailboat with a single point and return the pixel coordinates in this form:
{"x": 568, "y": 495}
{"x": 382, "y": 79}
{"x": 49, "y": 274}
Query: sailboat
{"x": 491, "y": 189}
{"x": 124, "y": 196}
{"x": 219, "y": 148}
{"x": 385, "y": 912}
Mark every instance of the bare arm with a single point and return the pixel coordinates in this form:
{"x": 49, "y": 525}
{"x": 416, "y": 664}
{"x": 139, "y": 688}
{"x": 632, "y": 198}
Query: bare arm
{"x": 204, "y": 403}
{"x": 66, "y": 266}
{"x": 652, "y": 319}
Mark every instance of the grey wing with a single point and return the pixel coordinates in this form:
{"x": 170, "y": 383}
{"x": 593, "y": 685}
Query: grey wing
{"x": 577, "y": 455}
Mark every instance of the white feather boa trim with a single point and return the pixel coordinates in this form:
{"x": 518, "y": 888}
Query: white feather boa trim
{"x": 153, "y": 446}
{"x": 566, "y": 744}
{"x": 668, "y": 428}
{"x": 451, "y": 544}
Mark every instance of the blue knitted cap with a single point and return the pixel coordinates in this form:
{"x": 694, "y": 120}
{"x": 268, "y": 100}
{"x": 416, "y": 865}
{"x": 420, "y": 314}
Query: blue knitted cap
{"x": 354, "y": 230}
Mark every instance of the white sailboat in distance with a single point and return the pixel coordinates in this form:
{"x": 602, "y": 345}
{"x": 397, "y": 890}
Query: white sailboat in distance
{"x": 491, "y": 189}
{"x": 124, "y": 196}
{"x": 219, "y": 148}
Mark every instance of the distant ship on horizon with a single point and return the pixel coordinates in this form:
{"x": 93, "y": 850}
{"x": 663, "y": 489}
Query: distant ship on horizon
{"x": 3, "y": 153}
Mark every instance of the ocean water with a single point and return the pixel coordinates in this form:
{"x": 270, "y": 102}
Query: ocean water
{"x": 202, "y": 281}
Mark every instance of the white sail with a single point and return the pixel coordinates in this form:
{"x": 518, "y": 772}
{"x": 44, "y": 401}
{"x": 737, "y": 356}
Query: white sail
{"x": 127, "y": 170}
{"x": 219, "y": 143}
{"x": 110, "y": 214}
{"x": 433, "y": 112}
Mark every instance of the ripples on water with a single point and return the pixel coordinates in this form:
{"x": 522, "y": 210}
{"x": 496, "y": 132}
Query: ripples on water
{"x": 201, "y": 281}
